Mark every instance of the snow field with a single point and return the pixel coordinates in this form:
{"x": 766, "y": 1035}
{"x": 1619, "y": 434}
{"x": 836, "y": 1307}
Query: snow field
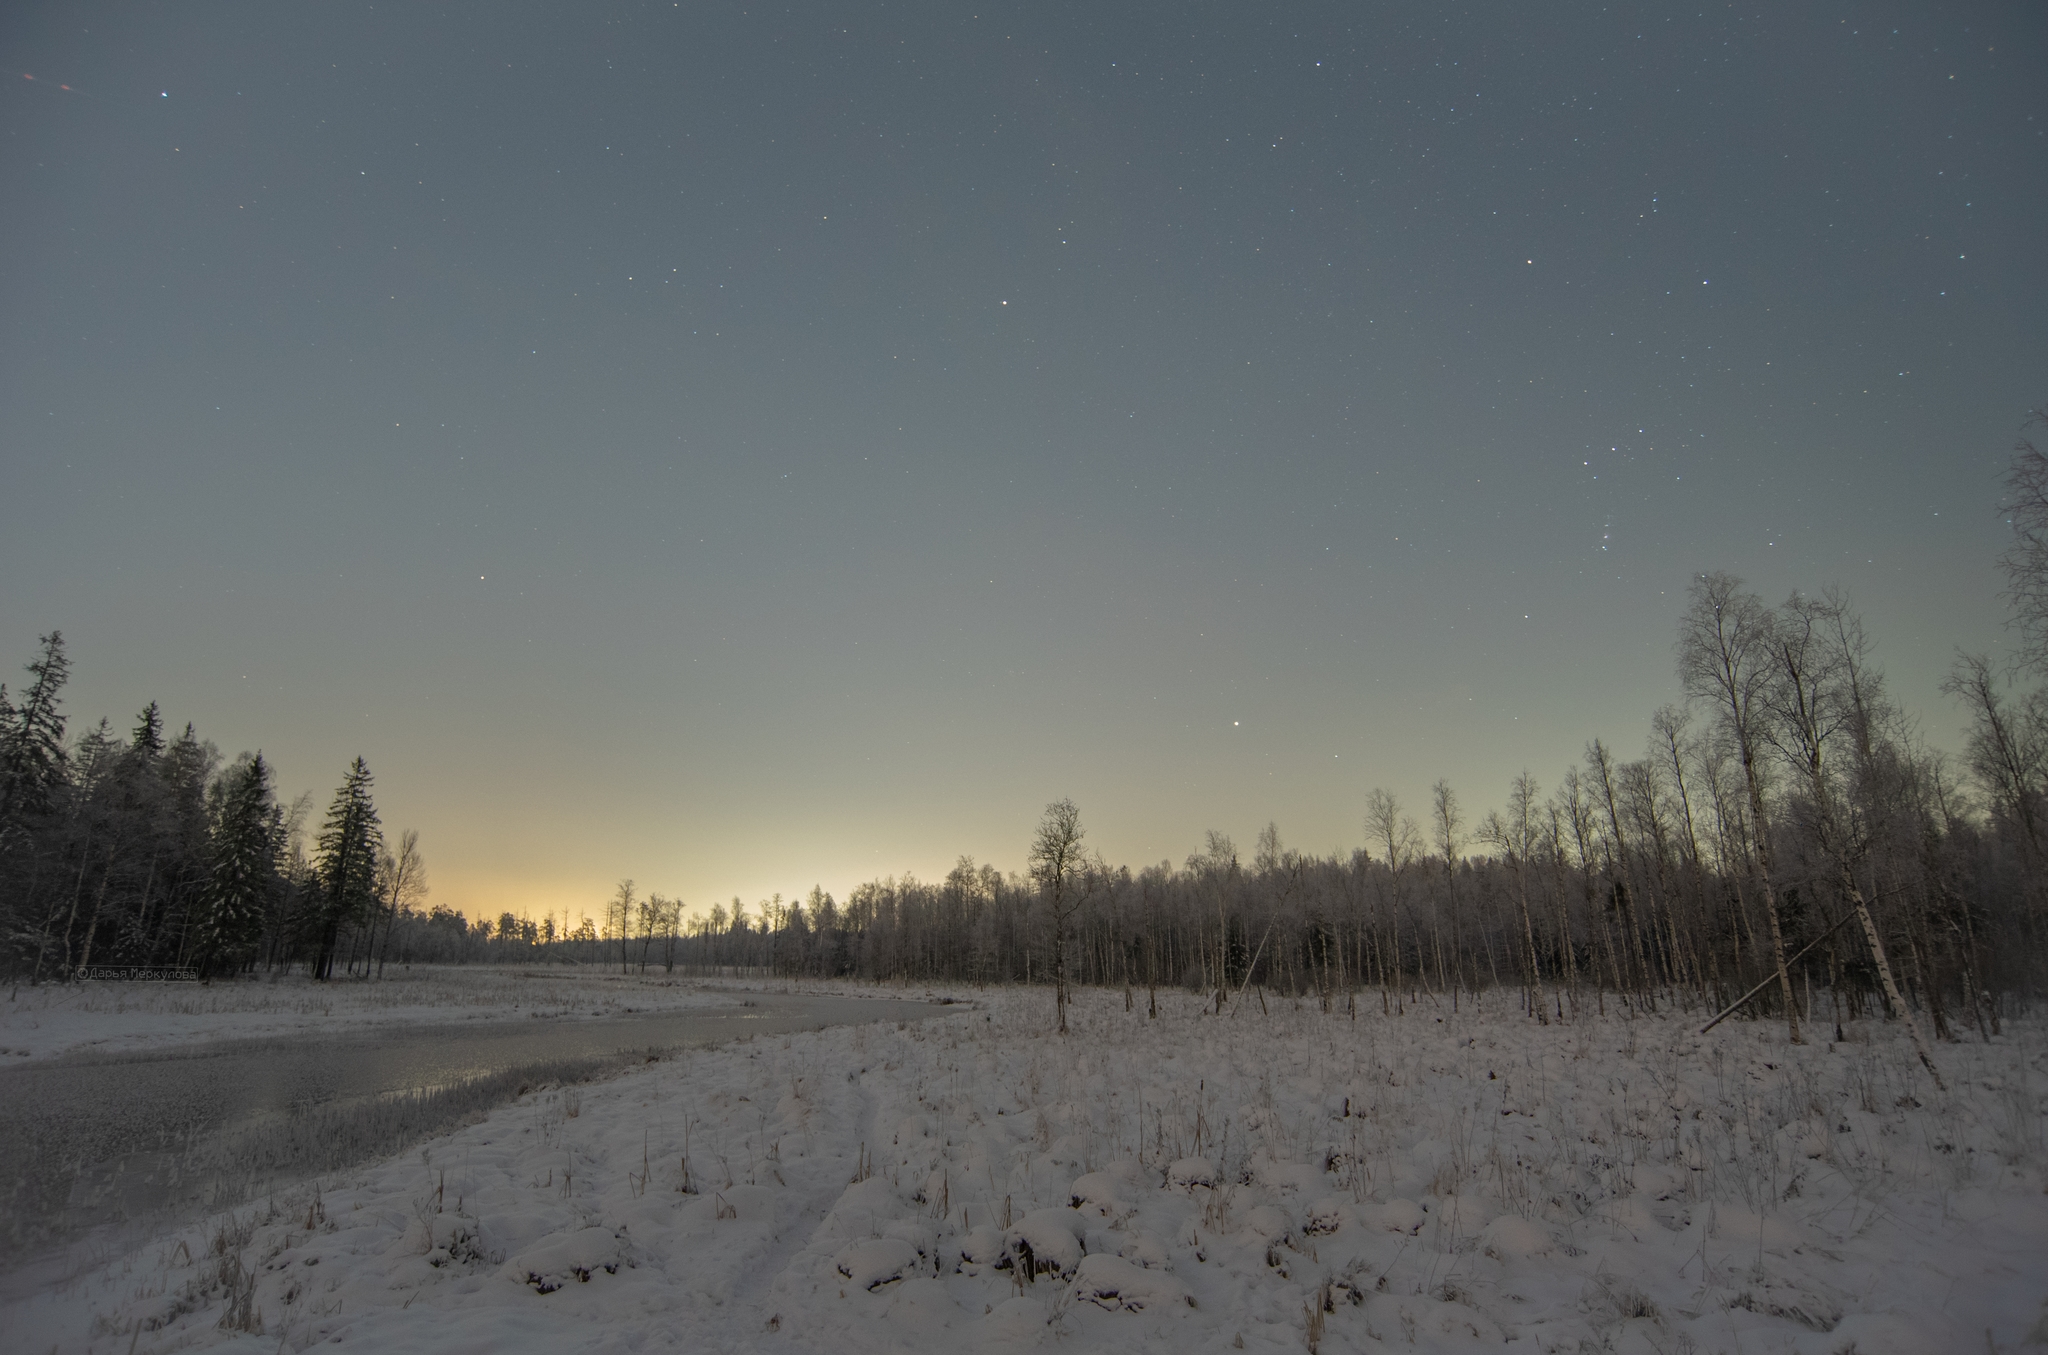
{"x": 1280, "y": 1182}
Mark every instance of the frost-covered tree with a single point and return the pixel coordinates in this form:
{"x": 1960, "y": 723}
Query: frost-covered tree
{"x": 1725, "y": 660}
{"x": 241, "y": 868}
{"x": 401, "y": 883}
{"x": 2025, "y": 562}
{"x": 1056, "y": 864}
{"x": 1813, "y": 702}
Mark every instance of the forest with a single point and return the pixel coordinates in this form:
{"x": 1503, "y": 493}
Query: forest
{"x": 1786, "y": 840}
{"x": 148, "y": 853}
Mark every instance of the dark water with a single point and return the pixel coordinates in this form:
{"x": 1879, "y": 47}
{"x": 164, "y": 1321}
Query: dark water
{"x": 95, "y": 1141}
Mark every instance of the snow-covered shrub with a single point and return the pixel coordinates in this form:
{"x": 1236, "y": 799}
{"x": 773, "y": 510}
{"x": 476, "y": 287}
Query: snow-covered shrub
{"x": 1112, "y": 1282}
{"x": 878, "y": 1261}
{"x": 1095, "y": 1193}
{"x": 454, "y": 1239}
{"x": 574, "y": 1255}
{"x": 1323, "y": 1217}
{"x": 1045, "y": 1242}
{"x": 1402, "y": 1216}
{"x": 979, "y": 1247}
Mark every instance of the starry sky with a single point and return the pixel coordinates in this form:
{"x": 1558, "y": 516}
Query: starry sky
{"x": 741, "y": 447}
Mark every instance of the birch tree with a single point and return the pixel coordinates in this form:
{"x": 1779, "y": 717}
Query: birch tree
{"x": 1057, "y": 865}
{"x": 1725, "y": 653}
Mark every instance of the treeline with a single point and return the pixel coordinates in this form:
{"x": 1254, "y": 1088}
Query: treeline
{"x": 1784, "y": 826}
{"x": 1786, "y": 843}
{"x": 150, "y": 850}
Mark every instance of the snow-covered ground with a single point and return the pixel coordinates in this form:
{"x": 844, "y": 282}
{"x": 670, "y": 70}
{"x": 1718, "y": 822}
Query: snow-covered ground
{"x": 1432, "y": 1182}
{"x": 122, "y": 1017}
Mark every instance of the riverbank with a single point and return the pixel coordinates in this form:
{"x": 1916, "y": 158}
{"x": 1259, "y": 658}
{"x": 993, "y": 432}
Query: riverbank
{"x": 53, "y": 1019}
{"x": 107, "y": 1146}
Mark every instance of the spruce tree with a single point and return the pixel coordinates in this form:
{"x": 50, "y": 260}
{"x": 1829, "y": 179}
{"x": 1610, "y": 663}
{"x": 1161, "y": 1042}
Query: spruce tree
{"x": 33, "y": 783}
{"x": 148, "y": 738}
{"x": 32, "y": 761}
{"x": 345, "y": 859}
{"x": 241, "y": 868}
{"x": 182, "y": 833}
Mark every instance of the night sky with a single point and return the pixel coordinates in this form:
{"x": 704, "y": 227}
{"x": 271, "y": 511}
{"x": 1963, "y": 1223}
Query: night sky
{"x": 745, "y": 447}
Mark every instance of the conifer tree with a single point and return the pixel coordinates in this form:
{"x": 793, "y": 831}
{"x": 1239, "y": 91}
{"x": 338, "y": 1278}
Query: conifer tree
{"x": 148, "y": 738}
{"x": 345, "y": 860}
{"x": 241, "y": 867}
{"x": 33, "y": 779}
{"x": 32, "y": 759}
{"x": 182, "y": 834}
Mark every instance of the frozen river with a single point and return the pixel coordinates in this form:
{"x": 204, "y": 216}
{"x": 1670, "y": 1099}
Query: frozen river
{"x": 93, "y": 1140}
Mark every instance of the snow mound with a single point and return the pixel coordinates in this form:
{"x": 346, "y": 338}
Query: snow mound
{"x": 1018, "y": 1320}
{"x": 873, "y": 1199}
{"x": 1278, "y": 1175}
{"x": 1046, "y": 1241}
{"x": 1067, "y": 1150}
{"x": 914, "y": 1231}
{"x": 1148, "y": 1251}
{"x": 1403, "y": 1216}
{"x": 877, "y": 1262}
{"x": 1887, "y": 1334}
{"x": 1267, "y": 1222}
{"x": 1112, "y": 1282}
{"x": 922, "y": 1315}
{"x": 1190, "y": 1172}
{"x": 574, "y": 1255}
{"x": 1511, "y": 1236}
{"x": 1095, "y": 1192}
{"x": 982, "y": 1246}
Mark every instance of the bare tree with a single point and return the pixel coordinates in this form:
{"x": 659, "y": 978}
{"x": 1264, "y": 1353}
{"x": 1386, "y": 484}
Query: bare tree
{"x": 1057, "y": 864}
{"x": 1554, "y": 849}
{"x": 1397, "y": 836}
{"x": 2008, "y": 747}
{"x": 1611, "y": 781}
{"x": 1813, "y": 701}
{"x": 404, "y": 884}
{"x": 1217, "y": 866}
{"x": 2026, "y": 561}
{"x": 619, "y": 914}
{"x": 1725, "y": 653}
{"x": 1516, "y": 836}
{"x": 1577, "y": 811}
{"x": 1447, "y": 821}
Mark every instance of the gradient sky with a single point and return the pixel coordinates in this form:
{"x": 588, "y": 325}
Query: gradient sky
{"x": 739, "y": 447}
